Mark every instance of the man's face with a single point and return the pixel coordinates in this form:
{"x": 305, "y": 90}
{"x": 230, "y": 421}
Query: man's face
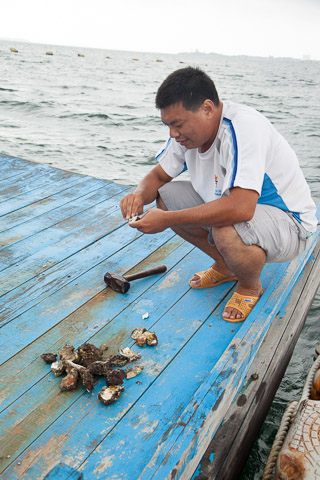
{"x": 191, "y": 129}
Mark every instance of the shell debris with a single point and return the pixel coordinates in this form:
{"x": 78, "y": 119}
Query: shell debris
{"x": 81, "y": 364}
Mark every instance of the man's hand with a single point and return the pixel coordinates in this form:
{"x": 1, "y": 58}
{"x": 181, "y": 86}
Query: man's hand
{"x": 131, "y": 205}
{"x": 153, "y": 221}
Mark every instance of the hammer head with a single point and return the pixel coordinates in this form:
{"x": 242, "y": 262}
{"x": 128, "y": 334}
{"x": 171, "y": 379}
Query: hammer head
{"x": 117, "y": 282}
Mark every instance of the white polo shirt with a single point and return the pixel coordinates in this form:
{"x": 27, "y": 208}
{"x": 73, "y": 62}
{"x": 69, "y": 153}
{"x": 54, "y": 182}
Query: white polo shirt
{"x": 247, "y": 152}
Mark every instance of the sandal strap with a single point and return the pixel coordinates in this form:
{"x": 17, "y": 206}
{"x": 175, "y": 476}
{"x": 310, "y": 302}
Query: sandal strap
{"x": 243, "y": 303}
{"x": 211, "y": 278}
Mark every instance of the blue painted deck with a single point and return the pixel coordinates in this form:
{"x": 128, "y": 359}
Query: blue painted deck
{"x": 59, "y": 234}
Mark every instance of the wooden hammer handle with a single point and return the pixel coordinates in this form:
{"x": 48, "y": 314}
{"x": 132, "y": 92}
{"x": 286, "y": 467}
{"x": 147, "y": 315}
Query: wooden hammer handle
{"x": 146, "y": 273}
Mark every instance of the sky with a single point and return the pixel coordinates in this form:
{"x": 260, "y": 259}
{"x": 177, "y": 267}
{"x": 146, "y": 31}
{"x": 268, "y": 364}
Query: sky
{"x": 279, "y": 28}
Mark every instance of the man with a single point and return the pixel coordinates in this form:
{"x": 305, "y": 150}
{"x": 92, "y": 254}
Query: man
{"x": 247, "y": 201}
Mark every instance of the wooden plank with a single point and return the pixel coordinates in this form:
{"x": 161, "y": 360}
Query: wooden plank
{"x": 63, "y": 472}
{"x": 93, "y": 310}
{"x": 12, "y": 166}
{"x": 26, "y": 327}
{"x": 56, "y": 196}
{"x": 226, "y": 456}
{"x": 29, "y": 181}
{"x": 39, "y": 194}
{"x": 67, "y": 271}
{"x": 167, "y": 288}
{"x": 56, "y": 225}
{"x": 160, "y": 427}
{"x": 62, "y": 241}
{"x": 216, "y": 394}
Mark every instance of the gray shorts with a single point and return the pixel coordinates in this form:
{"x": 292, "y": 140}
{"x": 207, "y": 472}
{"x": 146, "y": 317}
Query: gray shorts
{"x": 279, "y": 234}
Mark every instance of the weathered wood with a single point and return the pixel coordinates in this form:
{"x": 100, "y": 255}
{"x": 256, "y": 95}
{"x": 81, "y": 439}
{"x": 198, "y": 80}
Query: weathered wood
{"x": 55, "y": 255}
{"x": 62, "y": 223}
{"x": 58, "y": 196}
{"x": 225, "y": 456}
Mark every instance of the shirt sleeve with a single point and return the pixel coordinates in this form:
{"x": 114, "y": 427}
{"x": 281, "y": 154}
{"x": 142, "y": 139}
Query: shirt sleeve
{"x": 171, "y": 158}
{"x": 246, "y": 147}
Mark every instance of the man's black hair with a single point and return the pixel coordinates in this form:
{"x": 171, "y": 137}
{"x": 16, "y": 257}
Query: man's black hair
{"x": 190, "y": 86}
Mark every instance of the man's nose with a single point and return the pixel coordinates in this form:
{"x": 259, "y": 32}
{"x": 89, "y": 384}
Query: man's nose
{"x": 174, "y": 132}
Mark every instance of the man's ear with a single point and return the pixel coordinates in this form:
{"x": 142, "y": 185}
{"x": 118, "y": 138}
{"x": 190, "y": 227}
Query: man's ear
{"x": 208, "y": 107}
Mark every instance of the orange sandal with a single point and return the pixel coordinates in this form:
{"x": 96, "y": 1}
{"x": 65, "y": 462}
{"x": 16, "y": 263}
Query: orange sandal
{"x": 243, "y": 303}
{"x": 207, "y": 276}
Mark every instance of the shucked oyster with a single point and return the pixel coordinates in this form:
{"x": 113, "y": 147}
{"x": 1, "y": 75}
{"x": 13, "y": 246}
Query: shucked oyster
{"x": 129, "y": 354}
{"x": 110, "y": 394}
{"x": 142, "y": 337}
{"x": 134, "y": 219}
{"x": 57, "y": 368}
{"x": 137, "y": 332}
{"x": 132, "y": 372}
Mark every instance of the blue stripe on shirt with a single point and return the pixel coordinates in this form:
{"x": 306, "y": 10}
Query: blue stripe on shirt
{"x": 234, "y": 149}
{"x": 163, "y": 151}
{"x": 270, "y": 196}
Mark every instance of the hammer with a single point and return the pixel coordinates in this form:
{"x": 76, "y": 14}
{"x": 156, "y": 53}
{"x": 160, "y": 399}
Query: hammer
{"x": 121, "y": 284}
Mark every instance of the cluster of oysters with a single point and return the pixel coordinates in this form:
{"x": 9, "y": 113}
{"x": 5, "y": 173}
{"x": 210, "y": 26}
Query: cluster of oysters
{"x": 83, "y": 363}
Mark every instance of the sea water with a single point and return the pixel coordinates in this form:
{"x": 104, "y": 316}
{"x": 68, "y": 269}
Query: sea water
{"x": 94, "y": 113}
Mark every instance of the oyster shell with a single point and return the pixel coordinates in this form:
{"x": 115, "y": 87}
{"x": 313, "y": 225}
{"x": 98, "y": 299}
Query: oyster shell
{"x": 89, "y": 353}
{"x": 110, "y": 394}
{"x": 129, "y": 354}
{"x": 137, "y": 332}
{"x": 85, "y": 374}
{"x": 148, "y": 338}
{"x": 69, "y": 353}
{"x": 132, "y": 372}
{"x": 57, "y": 368}
{"x": 134, "y": 219}
{"x": 49, "y": 357}
{"x": 116, "y": 360}
{"x": 115, "y": 377}
{"x": 70, "y": 381}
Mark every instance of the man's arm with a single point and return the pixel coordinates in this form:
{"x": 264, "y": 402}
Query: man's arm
{"x": 145, "y": 193}
{"x": 238, "y": 207}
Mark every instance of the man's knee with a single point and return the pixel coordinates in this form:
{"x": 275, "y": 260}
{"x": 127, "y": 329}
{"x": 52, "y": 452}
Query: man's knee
{"x": 224, "y": 238}
{"x": 160, "y": 203}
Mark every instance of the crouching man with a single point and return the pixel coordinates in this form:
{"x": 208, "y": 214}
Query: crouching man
{"x": 247, "y": 201}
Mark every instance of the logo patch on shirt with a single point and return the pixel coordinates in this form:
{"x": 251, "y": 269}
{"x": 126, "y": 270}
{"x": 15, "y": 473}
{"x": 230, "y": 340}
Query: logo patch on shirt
{"x": 217, "y": 191}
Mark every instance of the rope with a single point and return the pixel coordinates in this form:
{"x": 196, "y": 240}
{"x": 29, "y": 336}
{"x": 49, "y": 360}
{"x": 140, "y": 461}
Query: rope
{"x": 286, "y": 421}
{"x": 278, "y": 441}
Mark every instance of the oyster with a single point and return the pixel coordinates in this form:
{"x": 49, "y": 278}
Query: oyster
{"x": 132, "y": 372}
{"x": 117, "y": 360}
{"x": 69, "y": 353}
{"x": 99, "y": 368}
{"x": 109, "y": 395}
{"x": 89, "y": 353}
{"x": 49, "y": 357}
{"x": 70, "y": 381}
{"x": 57, "y": 368}
{"x": 134, "y": 219}
{"x": 115, "y": 377}
{"x": 137, "y": 332}
{"x": 148, "y": 338}
{"x": 85, "y": 374}
{"x": 129, "y": 354}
